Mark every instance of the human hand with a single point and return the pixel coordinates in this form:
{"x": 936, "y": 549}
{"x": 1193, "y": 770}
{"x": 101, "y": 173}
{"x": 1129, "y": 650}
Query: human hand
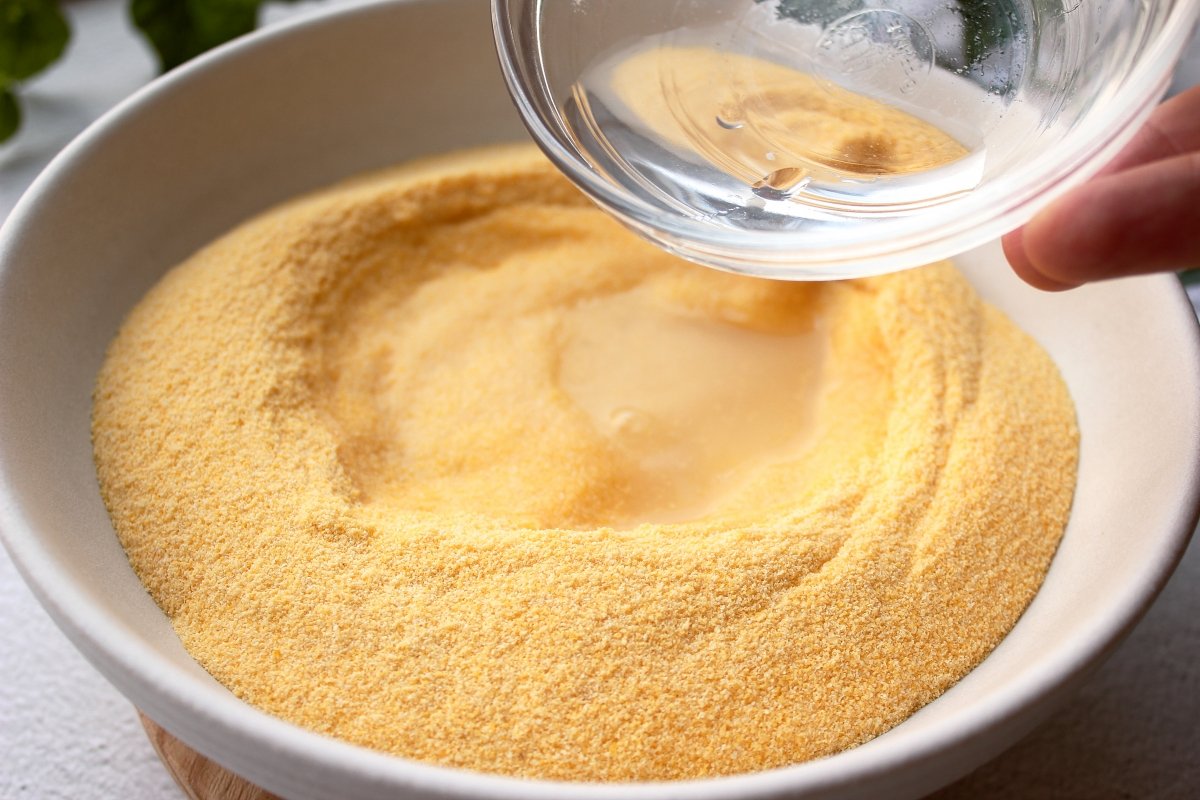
{"x": 1140, "y": 214}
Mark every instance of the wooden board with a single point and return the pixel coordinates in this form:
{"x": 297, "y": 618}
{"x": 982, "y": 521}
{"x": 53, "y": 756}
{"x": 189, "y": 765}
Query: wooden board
{"x": 199, "y": 778}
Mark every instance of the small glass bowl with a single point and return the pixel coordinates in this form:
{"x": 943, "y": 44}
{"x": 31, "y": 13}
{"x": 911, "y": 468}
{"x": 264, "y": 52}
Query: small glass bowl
{"x": 1038, "y": 94}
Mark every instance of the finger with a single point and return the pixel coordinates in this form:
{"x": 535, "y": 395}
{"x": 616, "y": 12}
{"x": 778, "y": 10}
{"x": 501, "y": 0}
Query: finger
{"x": 1143, "y": 219}
{"x": 1014, "y": 251}
{"x": 1172, "y": 130}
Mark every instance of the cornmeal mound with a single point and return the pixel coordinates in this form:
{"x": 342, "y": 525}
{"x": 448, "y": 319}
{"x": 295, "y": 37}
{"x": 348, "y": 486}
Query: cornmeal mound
{"x": 444, "y": 462}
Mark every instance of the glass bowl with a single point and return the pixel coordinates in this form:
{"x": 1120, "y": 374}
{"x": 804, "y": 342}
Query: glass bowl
{"x": 820, "y": 139}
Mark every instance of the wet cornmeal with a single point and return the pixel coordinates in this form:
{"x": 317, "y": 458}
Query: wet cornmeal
{"x": 444, "y": 462}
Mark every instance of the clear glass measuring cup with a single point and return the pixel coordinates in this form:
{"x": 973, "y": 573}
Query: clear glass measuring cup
{"x": 818, "y": 139}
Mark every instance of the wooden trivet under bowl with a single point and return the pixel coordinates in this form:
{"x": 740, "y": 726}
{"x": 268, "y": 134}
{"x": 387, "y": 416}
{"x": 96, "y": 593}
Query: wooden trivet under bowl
{"x": 199, "y": 778}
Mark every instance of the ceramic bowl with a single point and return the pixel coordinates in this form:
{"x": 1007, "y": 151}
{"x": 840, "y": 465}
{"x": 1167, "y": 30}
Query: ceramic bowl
{"x": 302, "y": 105}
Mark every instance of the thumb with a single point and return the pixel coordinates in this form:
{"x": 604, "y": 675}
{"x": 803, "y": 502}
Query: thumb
{"x": 1143, "y": 219}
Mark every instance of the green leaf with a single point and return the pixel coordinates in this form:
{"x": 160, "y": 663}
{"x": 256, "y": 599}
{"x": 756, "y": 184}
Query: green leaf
{"x": 10, "y": 114}
{"x": 33, "y": 35}
{"x": 810, "y": 12}
{"x": 182, "y": 29}
{"x": 985, "y": 29}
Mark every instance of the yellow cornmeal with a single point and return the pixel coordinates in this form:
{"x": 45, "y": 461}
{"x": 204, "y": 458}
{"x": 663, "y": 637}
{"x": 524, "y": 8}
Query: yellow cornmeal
{"x": 405, "y": 463}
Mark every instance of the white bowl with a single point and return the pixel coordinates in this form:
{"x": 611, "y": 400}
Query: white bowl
{"x": 300, "y": 106}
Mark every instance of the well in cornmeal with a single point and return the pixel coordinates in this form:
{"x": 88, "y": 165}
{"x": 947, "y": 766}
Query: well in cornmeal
{"x": 445, "y": 463}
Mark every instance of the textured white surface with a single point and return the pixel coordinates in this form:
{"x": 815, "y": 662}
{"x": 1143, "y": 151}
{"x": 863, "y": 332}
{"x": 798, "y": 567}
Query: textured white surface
{"x": 65, "y": 733}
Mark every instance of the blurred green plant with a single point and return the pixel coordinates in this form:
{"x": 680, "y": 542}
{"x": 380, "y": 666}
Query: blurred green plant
{"x": 182, "y": 29}
{"x": 983, "y": 28}
{"x": 34, "y": 34}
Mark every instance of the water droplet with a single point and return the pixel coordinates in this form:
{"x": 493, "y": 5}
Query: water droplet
{"x": 729, "y": 125}
{"x": 770, "y": 155}
{"x": 630, "y": 422}
{"x": 781, "y": 184}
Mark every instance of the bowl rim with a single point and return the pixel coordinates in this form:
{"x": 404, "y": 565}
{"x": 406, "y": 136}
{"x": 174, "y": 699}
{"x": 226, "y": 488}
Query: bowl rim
{"x": 235, "y": 734}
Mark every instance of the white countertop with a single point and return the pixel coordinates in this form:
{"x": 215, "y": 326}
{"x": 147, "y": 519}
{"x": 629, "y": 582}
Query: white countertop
{"x": 1132, "y": 732}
